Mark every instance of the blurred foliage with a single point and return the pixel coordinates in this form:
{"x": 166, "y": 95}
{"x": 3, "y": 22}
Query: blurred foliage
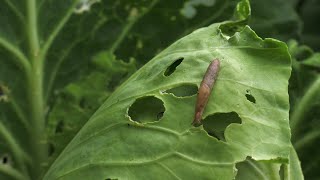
{"x": 304, "y": 88}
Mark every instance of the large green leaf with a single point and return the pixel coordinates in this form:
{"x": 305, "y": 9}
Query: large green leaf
{"x": 142, "y": 131}
{"x": 45, "y": 45}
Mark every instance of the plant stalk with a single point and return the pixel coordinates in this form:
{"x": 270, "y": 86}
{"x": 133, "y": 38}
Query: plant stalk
{"x": 37, "y": 140}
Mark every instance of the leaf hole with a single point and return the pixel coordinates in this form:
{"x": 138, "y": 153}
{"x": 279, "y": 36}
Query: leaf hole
{"x": 250, "y": 97}
{"x": 230, "y": 29}
{"x": 216, "y": 124}
{"x": 251, "y": 169}
{"x": 173, "y": 67}
{"x": 281, "y": 172}
{"x": 183, "y": 90}
{"x": 160, "y": 115}
{"x": 245, "y": 166}
{"x": 146, "y": 109}
{"x": 3, "y": 93}
{"x": 5, "y": 159}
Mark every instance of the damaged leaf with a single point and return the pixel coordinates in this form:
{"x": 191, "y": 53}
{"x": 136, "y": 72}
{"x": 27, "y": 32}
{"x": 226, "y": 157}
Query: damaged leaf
{"x": 112, "y": 145}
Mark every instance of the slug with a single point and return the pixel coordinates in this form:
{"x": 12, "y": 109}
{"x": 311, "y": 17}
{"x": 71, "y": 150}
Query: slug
{"x": 205, "y": 90}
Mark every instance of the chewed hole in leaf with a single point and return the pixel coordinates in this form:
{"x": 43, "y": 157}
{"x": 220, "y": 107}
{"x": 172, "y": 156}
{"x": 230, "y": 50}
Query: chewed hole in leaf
{"x": 146, "y": 109}
{"x": 183, "y": 90}
{"x": 245, "y": 166}
{"x": 281, "y": 172}
{"x": 230, "y": 29}
{"x": 160, "y": 115}
{"x": 5, "y": 159}
{"x": 3, "y": 93}
{"x": 59, "y": 127}
{"x": 253, "y": 169}
{"x": 170, "y": 69}
{"x": 216, "y": 124}
{"x": 250, "y": 97}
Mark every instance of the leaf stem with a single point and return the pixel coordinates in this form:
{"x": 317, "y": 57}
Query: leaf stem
{"x": 33, "y": 27}
{"x": 35, "y": 93}
{"x": 37, "y": 137}
{"x": 303, "y": 106}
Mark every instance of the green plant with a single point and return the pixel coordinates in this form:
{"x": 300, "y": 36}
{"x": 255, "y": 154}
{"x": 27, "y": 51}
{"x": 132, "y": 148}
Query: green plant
{"x": 60, "y": 66}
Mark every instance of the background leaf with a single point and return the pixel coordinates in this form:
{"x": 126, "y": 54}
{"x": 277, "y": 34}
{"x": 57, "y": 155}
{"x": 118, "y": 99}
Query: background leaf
{"x": 276, "y": 18}
{"x": 304, "y": 98}
{"x": 309, "y": 14}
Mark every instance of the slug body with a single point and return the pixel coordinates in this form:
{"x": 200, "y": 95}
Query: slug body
{"x": 205, "y": 90}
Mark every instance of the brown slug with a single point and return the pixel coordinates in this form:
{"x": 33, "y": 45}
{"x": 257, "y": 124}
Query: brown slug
{"x": 205, "y": 90}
